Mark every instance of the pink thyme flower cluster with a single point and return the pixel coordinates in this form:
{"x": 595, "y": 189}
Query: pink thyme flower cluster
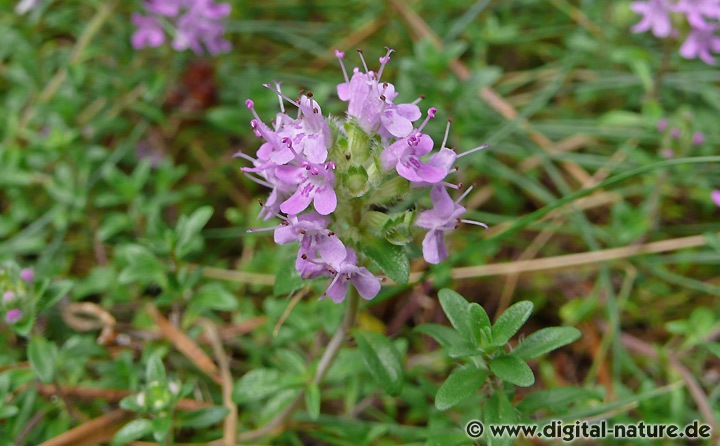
{"x": 197, "y": 25}
{"x": 13, "y": 291}
{"x": 675, "y": 138}
{"x": 326, "y": 175}
{"x": 702, "y": 18}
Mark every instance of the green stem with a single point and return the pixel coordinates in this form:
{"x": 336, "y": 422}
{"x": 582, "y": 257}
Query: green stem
{"x": 326, "y": 361}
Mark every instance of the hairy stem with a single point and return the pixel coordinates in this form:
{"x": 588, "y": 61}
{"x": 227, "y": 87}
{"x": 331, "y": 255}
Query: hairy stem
{"x": 326, "y": 361}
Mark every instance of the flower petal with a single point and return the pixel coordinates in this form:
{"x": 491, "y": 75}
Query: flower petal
{"x": 297, "y": 203}
{"x": 367, "y": 285}
{"x": 434, "y": 250}
{"x": 325, "y": 200}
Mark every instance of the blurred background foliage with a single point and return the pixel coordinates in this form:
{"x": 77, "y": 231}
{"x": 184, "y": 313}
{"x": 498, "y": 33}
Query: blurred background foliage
{"x": 117, "y": 174}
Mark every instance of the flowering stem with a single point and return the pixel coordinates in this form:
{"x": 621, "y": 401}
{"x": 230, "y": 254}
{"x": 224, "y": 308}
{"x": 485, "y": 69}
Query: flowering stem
{"x": 337, "y": 340}
{"x": 326, "y": 361}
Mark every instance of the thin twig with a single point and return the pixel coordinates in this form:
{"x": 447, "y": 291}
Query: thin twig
{"x": 109, "y": 395}
{"x": 639, "y": 346}
{"x": 184, "y": 344}
{"x": 574, "y": 260}
{"x": 96, "y": 431}
{"x": 230, "y": 424}
{"x": 323, "y": 367}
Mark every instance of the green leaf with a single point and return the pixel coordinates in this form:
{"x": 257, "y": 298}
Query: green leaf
{"x": 382, "y": 360}
{"x": 556, "y": 398}
{"x": 261, "y": 383}
{"x": 202, "y": 418}
{"x": 391, "y": 259}
{"x": 461, "y": 383}
{"x": 42, "y": 355}
{"x": 712, "y": 347}
{"x": 142, "y": 267}
{"x": 312, "y": 400}
{"x": 513, "y": 370}
{"x": 54, "y": 293}
{"x": 287, "y": 279}
{"x": 188, "y": 230}
{"x": 276, "y": 404}
{"x": 226, "y": 118}
{"x": 132, "y": 431}
{"x": 499, "y": 410}
{"x": 291, "y": 362}
{"x": 214, "y": 296}
{"x": 132, "y": 403}
{"x": 154, "y": 369}
{"x": 161, "y": 428}
{"x": 445, "y": 336}
{"x": 480, "y": 324}
{"x": 510, "y": 322}
{"x": 545, "y": 340}
{"x": 456, "y": 309}
{"x": 8, "y": 411}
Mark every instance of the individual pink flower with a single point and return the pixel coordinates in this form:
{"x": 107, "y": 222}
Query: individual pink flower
{"x": 445, "y": 216}
{"x": 316, "y": 240}
{"x": 13, "y": 315}
{"x": 345, "y": 270}
{"x": 700, "y": 43}
{"x": 697, "y": 11}
{"x": 655, "y": 16}
{"x": 198, "y": 25}
{"x": 149, "y": 32}
{"x": 715, "y": 196}
{"x": 315, "y": 184}
{"x": 8, "y": 296}
{"x": 370, "y": 103}
{"x": 28, "y": 275}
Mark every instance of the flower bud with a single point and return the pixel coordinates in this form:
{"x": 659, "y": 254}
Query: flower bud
{"x": 12, "y": 316}
{"x": 28, "y": 275}
{"x": 8, "y": 297}
{"x": 356, "y": 181}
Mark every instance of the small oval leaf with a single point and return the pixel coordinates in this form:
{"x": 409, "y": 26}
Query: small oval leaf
{"x": 202, "y": 418}
{"x": 544, "y": 341}
{"x": 459, "y": 385}
{"x": 132, "y": 431}
{"x": 391, "y": 259}
{"x": 510, "y": 322}
{"x": 456, "y": 309}
{"x": 513, "y": 370}
{"x": 312, "y": 400}
{"x": 42, "y": 355}
{"x": 479, "y": 322}
{"x": 445, "y": 336}
{"x": 382, "y": 360}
